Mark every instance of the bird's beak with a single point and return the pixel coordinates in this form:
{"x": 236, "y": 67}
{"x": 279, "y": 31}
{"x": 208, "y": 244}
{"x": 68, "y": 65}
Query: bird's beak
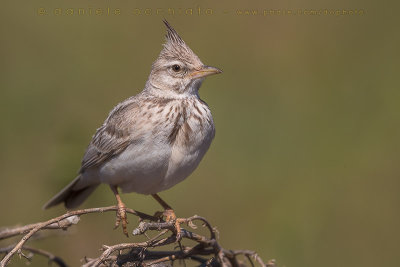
{"x": 205, "y": 71}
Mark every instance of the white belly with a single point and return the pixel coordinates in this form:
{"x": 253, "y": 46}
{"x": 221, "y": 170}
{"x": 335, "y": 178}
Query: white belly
{"x": 155, "y": 165}
{"x": 140, "y": 168}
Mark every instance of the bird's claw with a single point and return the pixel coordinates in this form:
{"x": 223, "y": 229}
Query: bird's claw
{"x": 121, "y": 218}
{"x": 170, "y": 217}
{"x": 178, "y": 223}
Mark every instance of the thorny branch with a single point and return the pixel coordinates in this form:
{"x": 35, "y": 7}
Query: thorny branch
{"x": 206, "y": 251}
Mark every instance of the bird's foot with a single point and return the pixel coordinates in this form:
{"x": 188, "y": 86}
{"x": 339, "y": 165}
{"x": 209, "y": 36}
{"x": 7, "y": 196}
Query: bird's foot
{"x": 121, "y": 218}
{"x": 170, "y": 217}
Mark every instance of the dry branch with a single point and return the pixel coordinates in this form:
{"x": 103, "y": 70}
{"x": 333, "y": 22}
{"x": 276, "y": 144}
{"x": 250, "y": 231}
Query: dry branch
{"x": 206, "y": 251}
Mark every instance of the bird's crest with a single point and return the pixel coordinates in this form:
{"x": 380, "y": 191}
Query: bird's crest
{"x": 172, "y": 35}
{"x": 175, "y": 47}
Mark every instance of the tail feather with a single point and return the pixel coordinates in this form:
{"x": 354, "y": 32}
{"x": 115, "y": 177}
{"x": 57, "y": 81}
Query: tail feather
{"x": 71, "y": 198}
{"x": 76, "y": 198}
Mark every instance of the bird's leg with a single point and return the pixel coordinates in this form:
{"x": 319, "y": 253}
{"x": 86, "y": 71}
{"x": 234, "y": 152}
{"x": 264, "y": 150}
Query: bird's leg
{"x": 121, "y": 212}
{"x": 170, "y": 216}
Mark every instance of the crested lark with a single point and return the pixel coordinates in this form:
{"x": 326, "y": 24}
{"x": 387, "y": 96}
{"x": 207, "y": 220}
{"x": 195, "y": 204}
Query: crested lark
{"x": 153, "y": 140}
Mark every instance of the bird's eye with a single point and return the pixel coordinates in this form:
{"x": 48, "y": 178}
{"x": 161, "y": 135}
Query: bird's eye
{"x": 176, "y": 67}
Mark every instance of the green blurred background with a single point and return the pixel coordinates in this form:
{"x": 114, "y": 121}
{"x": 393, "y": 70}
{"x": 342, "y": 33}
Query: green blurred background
{"x": 305, "y": 164}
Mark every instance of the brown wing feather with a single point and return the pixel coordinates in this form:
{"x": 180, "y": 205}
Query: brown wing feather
{"x": 112, "y": 137}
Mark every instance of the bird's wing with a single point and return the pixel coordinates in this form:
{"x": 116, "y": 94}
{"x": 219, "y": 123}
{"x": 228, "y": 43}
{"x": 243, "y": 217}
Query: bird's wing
{"x": 113, "y": 137}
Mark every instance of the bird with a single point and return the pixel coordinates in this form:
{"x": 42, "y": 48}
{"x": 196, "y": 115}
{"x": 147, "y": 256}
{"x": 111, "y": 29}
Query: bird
{"x": 150, "y": 141}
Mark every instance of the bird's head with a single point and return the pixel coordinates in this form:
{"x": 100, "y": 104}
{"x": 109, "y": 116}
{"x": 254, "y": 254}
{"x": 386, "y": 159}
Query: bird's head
{"x": 178, "y": 71}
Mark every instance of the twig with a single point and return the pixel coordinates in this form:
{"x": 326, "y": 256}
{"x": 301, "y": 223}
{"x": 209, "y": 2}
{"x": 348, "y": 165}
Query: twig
{"x": 55, "y": 222}
{"x": 67, "y": 222}
{"x": 206, "y": 250}
{"x": 52, "y": 258}
{"x": 63, "y": 224}
{"x": 140, "y": 255}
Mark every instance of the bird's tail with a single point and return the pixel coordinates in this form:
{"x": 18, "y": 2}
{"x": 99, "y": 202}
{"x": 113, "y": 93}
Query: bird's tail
{"x": 71, "y": 197}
